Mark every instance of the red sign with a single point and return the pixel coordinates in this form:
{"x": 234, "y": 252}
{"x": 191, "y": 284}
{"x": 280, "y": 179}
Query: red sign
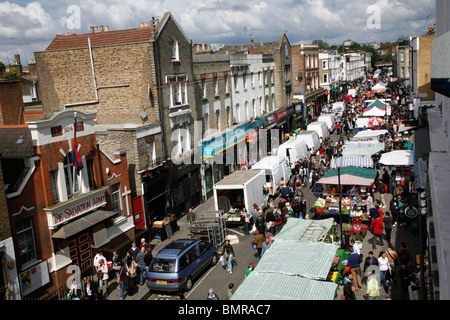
{"x": 280, "y": 115}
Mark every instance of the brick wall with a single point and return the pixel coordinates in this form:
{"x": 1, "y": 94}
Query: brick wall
{"x": 5, "y": 227}
{"x": 11, "y": 102}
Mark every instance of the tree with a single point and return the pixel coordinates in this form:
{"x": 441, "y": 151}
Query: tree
{"x": 2, "y": 67}
{"x": 322, "y": 44}
{"x": 11, "y": 74}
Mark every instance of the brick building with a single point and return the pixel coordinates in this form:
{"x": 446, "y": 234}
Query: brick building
{"x": 60, "y": 218}
{"x": 306, "y": 84}
{"x": 141, "y": 83}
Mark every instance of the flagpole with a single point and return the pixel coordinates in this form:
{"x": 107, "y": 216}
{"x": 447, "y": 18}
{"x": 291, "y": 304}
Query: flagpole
{"x": 73, "y": 154}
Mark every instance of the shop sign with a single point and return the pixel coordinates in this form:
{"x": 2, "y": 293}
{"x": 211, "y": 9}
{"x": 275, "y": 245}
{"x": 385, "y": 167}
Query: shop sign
{"x": 72, "y": 209}
{"x": 411, "y": 212}
{"x": 281, "y": 115}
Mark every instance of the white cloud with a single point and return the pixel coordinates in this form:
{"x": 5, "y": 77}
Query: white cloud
{"x": 26, "y": 25}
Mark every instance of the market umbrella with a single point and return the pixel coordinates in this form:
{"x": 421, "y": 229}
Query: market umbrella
{"x": 350, "y": 175}
{"x": 375, "y": 121}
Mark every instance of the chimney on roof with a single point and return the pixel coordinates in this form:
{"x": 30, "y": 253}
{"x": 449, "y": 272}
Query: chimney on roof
{"x": 100, "y": 28}
{"x": 92, "y": 29}
{"x": 142, "y": 24}
{"x": 106, "y": 29}
{"x": 145, "y": 24}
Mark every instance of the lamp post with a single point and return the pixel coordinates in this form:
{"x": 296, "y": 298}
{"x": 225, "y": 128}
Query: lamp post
{"x": 338, "y": 161}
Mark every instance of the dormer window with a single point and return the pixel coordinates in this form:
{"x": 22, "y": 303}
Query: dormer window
{"x": 175, "y": 50}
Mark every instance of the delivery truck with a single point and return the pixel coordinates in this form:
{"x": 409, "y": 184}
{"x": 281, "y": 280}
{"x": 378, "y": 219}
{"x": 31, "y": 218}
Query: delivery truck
{"x": 275, "y": 168}
{"x": 294, "y": 150}
{"x": 241, "y": 189}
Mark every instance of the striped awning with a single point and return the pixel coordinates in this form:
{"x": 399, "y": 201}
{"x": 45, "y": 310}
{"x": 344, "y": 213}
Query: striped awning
{"x": 359, "y": 161}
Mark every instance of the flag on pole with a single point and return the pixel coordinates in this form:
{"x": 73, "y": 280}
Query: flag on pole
{"x": 77, "y": 163}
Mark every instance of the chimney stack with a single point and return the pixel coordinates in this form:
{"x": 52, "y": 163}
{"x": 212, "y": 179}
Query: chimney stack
{"x": 100, "y": 28}
{"x": 92, "y": 29}
{"x": 106, "y": 28}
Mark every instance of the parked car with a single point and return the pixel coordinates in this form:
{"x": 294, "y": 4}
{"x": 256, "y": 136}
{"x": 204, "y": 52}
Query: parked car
{"x": 176, "y": 266}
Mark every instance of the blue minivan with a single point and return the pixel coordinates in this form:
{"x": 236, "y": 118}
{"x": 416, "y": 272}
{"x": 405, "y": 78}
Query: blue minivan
{"x": 175, "y": 267}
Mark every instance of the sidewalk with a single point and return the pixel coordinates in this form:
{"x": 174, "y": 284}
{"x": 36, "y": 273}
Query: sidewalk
{"x": 143, "y": 293}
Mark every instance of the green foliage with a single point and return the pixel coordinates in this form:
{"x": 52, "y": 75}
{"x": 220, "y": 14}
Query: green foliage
{"x": 11, "y": 74}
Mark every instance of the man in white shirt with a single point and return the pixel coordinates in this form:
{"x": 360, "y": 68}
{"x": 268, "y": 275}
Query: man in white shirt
{"x": 97, "y": 258}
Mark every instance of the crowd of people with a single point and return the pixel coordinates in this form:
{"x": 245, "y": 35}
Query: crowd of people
{"x": 394, "y": 265}
{"x": 129, "y": 272}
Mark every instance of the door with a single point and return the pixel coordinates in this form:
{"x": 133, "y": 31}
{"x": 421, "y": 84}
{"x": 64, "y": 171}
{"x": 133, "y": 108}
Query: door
{"x": 80, "y": 250}
{"x": 138, "y": 213}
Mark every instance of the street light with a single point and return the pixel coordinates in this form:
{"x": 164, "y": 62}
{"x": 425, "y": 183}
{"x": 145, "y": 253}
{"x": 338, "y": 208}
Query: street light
{"x": 338, "y": 161}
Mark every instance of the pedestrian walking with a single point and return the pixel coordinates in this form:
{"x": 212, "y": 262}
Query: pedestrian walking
{"x": 212, "y": 295}
{"x": 228, "y": 255}
{"x": 103, "y": 277}
{"x": 354, "y": 260}
{"x": 191, "y": 216}
{"x": 246, "y": 218}
{"x": 266, "y": 245}
{"x": 385, "y": 269}
{"x": 404, "y": 256}
{"x": 393, "y": 260}
{"x": 377, "y": 227}
{"x": 230, "y": 291}
{"x": 405, "y": 276}
{"x": 258, "y": 241}
{"x": 373, "y": 289}
{"x": 134, "y": 250}
{"x": 387, "y": 221}
{"x": 140, "y": 260}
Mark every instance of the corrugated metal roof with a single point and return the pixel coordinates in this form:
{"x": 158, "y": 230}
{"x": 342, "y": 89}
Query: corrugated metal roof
{"x": 276, "y": 286}
{"x": 310, "y": 260}
{"x": 292, "y": 269}
{"x": 304, "y": 230}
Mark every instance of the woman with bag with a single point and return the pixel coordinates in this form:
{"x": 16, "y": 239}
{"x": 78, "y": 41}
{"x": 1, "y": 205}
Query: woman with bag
{"x": 103, "y": 277}
{"x": 122, "y": 281}
{"x": 228, "y": 254}
{"x": 393, "y": 259}
{"x": 131, "y": 273}
{"x": 74, "y": 291}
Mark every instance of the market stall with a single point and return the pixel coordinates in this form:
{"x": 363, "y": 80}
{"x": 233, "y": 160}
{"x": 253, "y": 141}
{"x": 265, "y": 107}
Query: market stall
{"x": 354, "y": 185}
{"x": 369, "y": 134}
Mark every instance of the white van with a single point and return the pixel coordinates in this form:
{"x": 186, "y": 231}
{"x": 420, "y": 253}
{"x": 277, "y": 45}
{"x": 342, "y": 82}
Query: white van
{"x": 294, "y": 150}
{"x": 329, "y": 120}
{"x": 312, "y": 140}
{"x": 275, "y": 167}
{"x": 320, "y": 127}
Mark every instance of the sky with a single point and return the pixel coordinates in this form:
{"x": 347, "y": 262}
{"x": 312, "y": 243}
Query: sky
{"x": 28, "y": 26}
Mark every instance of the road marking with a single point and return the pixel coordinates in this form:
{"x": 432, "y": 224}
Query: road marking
{"x": 197, "y": 283}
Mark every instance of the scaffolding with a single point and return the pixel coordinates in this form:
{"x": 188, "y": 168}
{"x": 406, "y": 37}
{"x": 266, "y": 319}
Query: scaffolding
{"x": 209, "y": 225}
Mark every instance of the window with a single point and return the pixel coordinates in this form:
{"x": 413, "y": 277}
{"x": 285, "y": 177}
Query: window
{"x": 71, "y": 179}
{"x": 175, "y": 50}
{"x": 177, "y": 90}
{"x": 227, "y": 86}
{"x": 325, "y": 78}
{"x": 244, "y": 81}
{"x": 216, "y": 86}
{"x": 325, "y": 65}
{"x": 204, "y": 88}
{"x": 115, "y": 198}
{"x": 54, "y": 185}
{"x": 56, "y": 131}
{"x": 25, "y": 239}
{"x": 90, "y": 170}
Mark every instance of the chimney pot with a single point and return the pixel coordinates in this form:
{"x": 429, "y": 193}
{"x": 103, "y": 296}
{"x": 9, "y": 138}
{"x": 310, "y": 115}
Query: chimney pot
{"x": 145, "y": 24}
{"x": 92, "y": 29}
{"x": 142, "y": 24}
{"x": 100, "y": 28}
{"x": 106, "y": 28}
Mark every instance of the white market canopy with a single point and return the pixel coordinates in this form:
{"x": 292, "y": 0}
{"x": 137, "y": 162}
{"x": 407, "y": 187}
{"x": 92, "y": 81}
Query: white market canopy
{"x": 378, "y": 88}
{"x": 356, "y": 161}
{"x": 374, "y": 112}
{"x": 369, "y": 134}
{"x": 398, "y": 158}
{"x": 362, "y": 148}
